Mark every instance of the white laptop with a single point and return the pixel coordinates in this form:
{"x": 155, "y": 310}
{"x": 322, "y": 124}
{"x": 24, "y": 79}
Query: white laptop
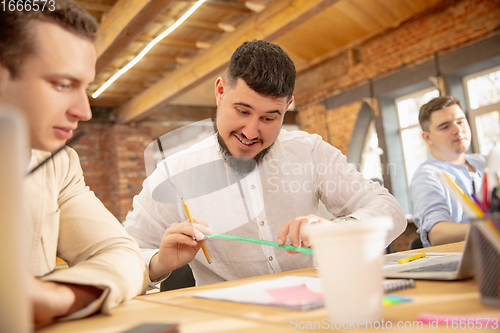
{"x": 15, "y": 311}
{"x": 435, "y": 266}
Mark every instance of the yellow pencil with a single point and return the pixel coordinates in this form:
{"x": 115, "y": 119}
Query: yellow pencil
{"x": 191, "y": 220}
{"x": 411, "y": 258}
{"x": 468, "y": 201}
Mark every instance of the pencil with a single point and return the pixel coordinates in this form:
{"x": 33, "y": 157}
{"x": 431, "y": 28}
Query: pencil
{"x": 468, "y": 202}
{"x": 411, "y": 258}
{"x": 191, "y": 220}
{"x": 463, "y": 196}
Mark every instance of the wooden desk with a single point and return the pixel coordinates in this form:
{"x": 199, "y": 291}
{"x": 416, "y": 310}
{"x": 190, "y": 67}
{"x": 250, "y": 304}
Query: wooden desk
{"x": 135, "y": 312}
{"x": 202, "y": 315}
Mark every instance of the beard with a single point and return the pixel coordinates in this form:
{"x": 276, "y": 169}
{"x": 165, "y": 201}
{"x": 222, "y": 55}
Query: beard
{"x": 240, "y": 164}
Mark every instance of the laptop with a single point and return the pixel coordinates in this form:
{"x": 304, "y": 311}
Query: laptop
{"x": 15, "y": 310}
{"x": 435, "y": 266}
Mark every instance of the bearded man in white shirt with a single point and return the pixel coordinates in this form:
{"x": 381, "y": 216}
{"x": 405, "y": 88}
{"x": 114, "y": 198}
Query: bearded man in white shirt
{"x": 274, "y": 182}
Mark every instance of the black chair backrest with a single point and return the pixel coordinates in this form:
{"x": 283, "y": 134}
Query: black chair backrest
{"x": 180, "y": 278}
{"x": 415, "y": 243}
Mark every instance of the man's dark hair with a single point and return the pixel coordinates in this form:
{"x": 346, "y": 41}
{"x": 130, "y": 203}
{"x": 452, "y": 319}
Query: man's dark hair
{"x": 16, "y": 36}
{"x": 435, "y": 104}
{"x": 264, "y": 67}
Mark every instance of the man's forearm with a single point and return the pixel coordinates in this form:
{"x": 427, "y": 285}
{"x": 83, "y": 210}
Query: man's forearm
{"x": 447, "y": 232}
{"x": 83, "y": 296}
{"x": 53, "y": 299}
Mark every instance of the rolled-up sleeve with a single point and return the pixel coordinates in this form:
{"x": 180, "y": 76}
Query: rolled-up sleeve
{"x": 96, "y": 247}
{"x": 431, "y": 202}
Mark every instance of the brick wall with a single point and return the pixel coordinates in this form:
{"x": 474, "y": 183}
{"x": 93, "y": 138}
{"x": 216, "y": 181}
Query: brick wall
{"x": 341, "y": 122}
{"x": 112, "y": 158}
{"x": 312, "y": 118}
{"x": 459, "y": 24}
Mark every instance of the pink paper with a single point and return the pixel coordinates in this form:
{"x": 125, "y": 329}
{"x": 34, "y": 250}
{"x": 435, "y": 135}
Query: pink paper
{"x": 294, "y": 294}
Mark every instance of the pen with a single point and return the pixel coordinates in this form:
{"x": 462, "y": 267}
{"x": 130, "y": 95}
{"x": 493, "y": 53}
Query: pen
{"x": 479, "y": 204}
{"x": 486, "y": 202}
{"x": 191, "y": 220}
{"x": 411, "y": 258}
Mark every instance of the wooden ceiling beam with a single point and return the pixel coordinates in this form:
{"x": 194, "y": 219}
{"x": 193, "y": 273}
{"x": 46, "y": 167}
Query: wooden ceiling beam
{"x": 273, "y": 22}
{"x": 162, "y": 59}
{"x": 125, "y": 84}
{"x": 154, "y": 57}
{"x": 124, "y": 22}
{"x": 193, "y": 23}
{"x": 213, "y": 27}
{"x": 182, "y": 112}
{"x": 137, "y": 71}
{"x": 229, "y": 6}
{"x": 438, "y": 7}
{"x": 171, "y": 42}
{"x": 116, "y": 95}
{"x": 107, "y": 102}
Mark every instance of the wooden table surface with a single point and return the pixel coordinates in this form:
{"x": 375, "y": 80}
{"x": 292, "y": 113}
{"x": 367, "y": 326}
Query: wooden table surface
{"x": 203, "y": 315}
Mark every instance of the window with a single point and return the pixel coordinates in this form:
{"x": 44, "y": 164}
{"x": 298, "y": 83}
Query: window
{"x": 370, "y": 157}
{"x": 483, "y": 97}
{"x": 415, "y": 150}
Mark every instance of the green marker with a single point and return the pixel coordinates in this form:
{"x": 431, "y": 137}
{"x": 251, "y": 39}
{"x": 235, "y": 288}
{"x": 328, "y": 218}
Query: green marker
{"x": 261, "y": 242}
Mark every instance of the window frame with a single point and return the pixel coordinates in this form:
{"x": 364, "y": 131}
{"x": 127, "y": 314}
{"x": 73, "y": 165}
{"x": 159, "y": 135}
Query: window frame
{"x": 473, "y": 113}
{"x": 419, "y": 92}
{"x": 366, "y": 148}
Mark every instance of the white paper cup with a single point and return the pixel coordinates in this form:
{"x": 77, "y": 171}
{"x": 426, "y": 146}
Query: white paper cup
{"x": 349, "y": 259}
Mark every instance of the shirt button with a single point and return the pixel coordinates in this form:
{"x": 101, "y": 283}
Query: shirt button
{"x": 252, "y": 187}
{"x": 270, "y": 258}
{"x": 261, "y": 223}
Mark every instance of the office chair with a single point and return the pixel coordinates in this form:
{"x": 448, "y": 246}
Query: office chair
{"x": 180, "y": 278}
{"x": 415, "y": 243}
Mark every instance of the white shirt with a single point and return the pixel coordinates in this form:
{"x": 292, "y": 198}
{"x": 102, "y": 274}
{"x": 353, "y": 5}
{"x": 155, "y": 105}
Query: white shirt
{"x": 299, "y": 170}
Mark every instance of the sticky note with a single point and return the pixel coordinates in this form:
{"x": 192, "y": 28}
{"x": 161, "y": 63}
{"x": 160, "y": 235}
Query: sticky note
{"x": 394, "y": 299}
{"x": 291, "y": 294}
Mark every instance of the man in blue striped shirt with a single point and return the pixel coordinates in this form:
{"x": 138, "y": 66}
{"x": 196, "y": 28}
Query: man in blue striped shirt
{"x": 439, "y": 218}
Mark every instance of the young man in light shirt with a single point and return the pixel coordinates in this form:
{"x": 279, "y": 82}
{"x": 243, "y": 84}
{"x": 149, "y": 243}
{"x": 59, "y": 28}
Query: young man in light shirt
{"x": 438, "y": 216}
{"x": 47, "y": 61}
{"x": 274, "y": 182}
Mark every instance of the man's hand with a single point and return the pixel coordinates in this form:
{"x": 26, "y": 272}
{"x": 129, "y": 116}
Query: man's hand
{"x": 52, "y": 299}
{"x": 179, "y": 245}
{"x": 296, "y": 230}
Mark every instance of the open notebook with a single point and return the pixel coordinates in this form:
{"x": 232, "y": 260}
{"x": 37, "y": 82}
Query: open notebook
{"x": 15, "y": 314}
{"x": 290, "y": 292}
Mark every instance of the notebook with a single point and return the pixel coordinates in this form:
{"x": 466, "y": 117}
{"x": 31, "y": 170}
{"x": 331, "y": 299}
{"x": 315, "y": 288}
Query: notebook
{"x": 15, "y": 312}
{"x": 289, "y": 292}
{"x": 435, "y": 266}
